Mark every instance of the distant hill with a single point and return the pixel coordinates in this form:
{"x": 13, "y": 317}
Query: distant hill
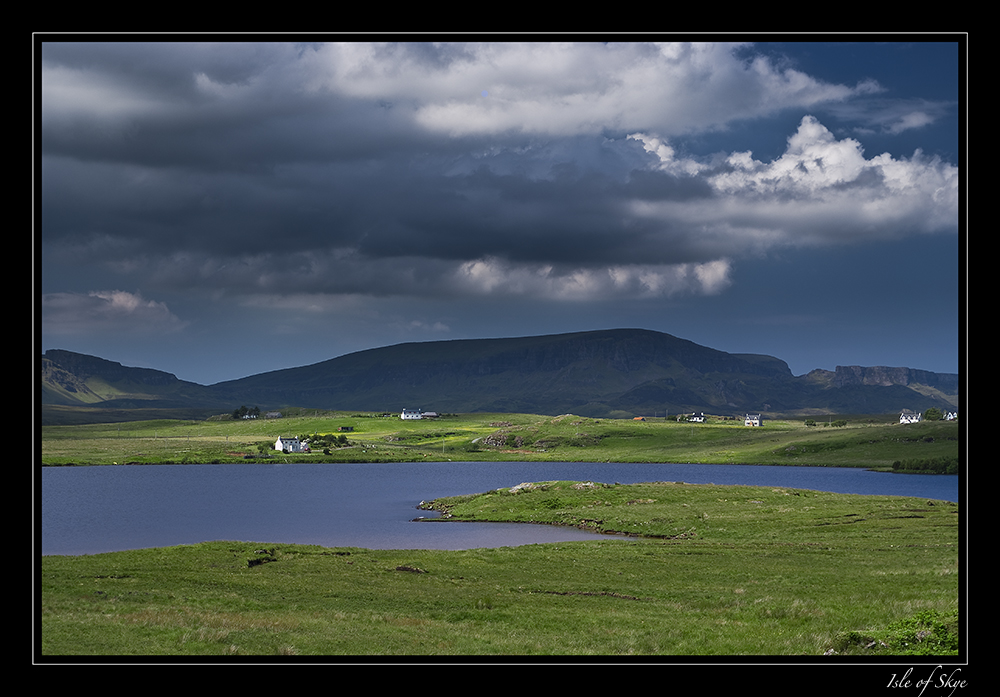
{"x": 611, "y": 373}
{"x": 74, "y": 380}
{"x": 584, "y": 373}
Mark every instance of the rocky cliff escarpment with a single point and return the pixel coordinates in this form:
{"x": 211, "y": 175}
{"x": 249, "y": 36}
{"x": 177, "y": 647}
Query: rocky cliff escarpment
{"x": 883, "y": 376}
{"x": 84, "y": 367}
{"x": 75, "y": 379}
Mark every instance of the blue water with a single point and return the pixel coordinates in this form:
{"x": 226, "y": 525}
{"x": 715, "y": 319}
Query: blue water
{"x": 88, "y": 510}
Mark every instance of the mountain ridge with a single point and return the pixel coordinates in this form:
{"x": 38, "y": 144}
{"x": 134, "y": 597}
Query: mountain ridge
{"x": 74, "y": 379}
{"x": 610, "y": 373}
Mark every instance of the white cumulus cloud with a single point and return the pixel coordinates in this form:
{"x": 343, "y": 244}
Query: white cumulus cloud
{"x": 496, "y": 277}
{"x": 568, "y": 88}
{"x": 821, "y": 189}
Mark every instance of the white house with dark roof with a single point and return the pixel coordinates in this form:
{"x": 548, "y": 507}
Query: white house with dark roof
{"x": 288, "y": 444}
{"x": 752, "y": 420}
{"x": 411, "y": 414}
{"x": 909, "y": 417}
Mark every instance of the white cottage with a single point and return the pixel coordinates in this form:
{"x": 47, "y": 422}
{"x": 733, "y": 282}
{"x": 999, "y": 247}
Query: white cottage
{"x": 411, "y": 414}
{"x": 909, "y": 417}
{"x": 287, "y": 444}
{"x": 752, "y": 420}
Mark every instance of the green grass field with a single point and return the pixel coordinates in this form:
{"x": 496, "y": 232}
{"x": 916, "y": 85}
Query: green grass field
{"x": 687, "y": 570}
{"x": 723, "y": 571}
{"x": 864, "y": 442}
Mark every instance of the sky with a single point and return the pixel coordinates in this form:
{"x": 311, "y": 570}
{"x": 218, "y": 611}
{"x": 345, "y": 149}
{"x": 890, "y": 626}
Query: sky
{"x": 223, "y": 209}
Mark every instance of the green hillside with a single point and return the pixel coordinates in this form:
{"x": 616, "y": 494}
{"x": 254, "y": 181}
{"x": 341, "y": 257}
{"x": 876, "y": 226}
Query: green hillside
{"x": 81, "y": 388}
{"x": 860, "y": 441}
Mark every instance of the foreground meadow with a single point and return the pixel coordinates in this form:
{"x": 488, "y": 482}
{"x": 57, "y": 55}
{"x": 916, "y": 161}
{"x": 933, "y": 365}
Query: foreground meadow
{"x": 692, "y": 570}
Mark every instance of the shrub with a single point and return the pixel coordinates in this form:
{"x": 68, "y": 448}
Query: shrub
{"x": 935, "y": 465}
{"x": 927, "y": 633}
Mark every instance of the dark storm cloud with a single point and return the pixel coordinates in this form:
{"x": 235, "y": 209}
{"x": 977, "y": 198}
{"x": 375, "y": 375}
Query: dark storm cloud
{"x": 206, "y": 107}
{"x": 537, "y": 169}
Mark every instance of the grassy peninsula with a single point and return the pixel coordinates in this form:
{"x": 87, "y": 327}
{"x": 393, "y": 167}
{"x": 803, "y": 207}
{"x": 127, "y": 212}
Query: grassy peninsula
{"x": 875, "y": 442}
{"x": 694, "y": 570}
